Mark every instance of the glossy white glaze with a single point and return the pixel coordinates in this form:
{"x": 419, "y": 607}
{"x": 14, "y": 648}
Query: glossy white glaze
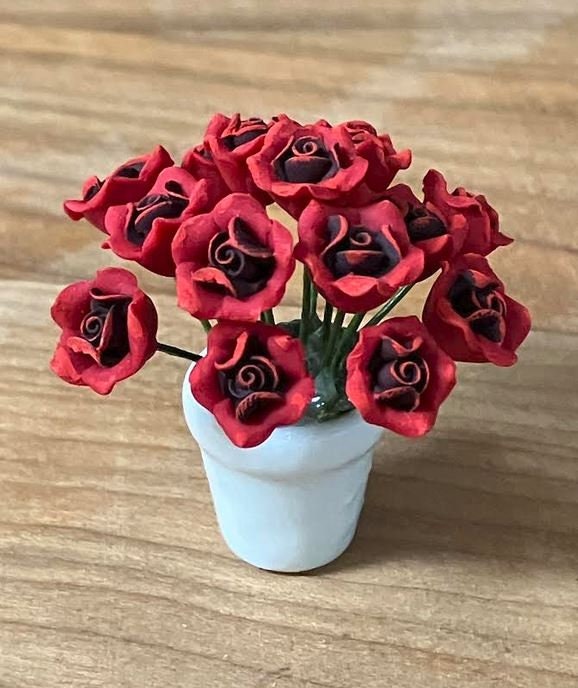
{"x": 292, "y": 503}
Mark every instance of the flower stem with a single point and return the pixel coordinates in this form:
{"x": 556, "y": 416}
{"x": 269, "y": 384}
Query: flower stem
{"x": 313, "y": 303}
{"x": 334, "y": 336}
{"x": 389, "y": 305}
{"x": 206, "y": 325}
{"x": 306, "y": 306}
{"x": 327, "y": 316}
{"x": 268, "y": 317}
{"x": 346, "y": 339}
{"x": 175, "y": 351}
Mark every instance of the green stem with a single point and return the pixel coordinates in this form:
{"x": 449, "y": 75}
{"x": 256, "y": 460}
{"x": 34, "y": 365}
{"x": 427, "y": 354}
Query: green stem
{"x": 175, "y": 351}
{"x": 346, "y": 339}
{"x": 206, "y": 325}
{"x": 305, "y": 308}
{"x": 327, "y": 316}
{"x": 268, "y": 317}
{"x": 313, "y": 302}
{"x": 333, "y": 336}
{"x": 389, "y": 305}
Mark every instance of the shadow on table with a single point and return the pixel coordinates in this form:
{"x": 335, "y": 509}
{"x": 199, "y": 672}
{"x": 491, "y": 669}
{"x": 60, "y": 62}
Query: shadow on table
{"x": 422, "y": 500}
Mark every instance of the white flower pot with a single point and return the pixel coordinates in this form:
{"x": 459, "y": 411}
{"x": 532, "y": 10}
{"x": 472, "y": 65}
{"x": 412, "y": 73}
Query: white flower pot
{"x": 292, "y": 503}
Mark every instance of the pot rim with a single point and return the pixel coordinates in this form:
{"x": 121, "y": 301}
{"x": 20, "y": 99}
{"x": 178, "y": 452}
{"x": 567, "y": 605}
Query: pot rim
{"x": 302, "y": 448}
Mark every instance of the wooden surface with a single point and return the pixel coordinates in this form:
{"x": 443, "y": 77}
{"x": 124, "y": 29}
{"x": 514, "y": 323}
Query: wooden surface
{"x": 464, "y": 572}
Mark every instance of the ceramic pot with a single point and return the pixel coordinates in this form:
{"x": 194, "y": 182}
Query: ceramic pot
{"x": 292, "y": 503}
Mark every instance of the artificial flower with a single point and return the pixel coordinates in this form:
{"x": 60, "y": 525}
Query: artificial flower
{"x": 108, "y": 330}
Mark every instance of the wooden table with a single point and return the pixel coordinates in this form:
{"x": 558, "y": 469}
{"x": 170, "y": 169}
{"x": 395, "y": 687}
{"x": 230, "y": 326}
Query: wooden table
{"x": 464, "y": 571}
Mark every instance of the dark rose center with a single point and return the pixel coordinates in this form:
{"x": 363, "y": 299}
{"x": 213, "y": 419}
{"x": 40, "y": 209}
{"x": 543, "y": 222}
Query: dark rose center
{"x": 105, "y": 327}
{"x": 358, "y": 250}
{"x": 399, "y": 376}
{"x": 129, "y": 171}
{"x": 237, "y": 253}
{"x": 483, "y": 307}
{"x": 169, "y": 205}
{"x": 306, "y": 161}
{"x": 253, "y": 384}
{"x": 422, "y": 224}
{"x": 246, "y": 130}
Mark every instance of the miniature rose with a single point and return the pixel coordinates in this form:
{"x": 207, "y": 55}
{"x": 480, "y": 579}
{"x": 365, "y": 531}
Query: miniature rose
{"x": 482, "y": 221}
{"x": 357, "y": 257}
{"x": 232, "y": 263}
{"x": 298, "y": 163}
{"x": 397, "y": 376}
{"x": 144, "y": 231}
{"x": 231, "y": 140}
{"x": 471, "y": 316}
{"x": 384, "y": 162}
{"x": 127, "y": 184}
{"x": 439, "y": 236}
{"x": 253, "y": 379}
{"x": 108, "y": 330}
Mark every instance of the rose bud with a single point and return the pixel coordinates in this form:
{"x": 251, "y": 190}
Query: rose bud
{"x": 357, "y": 257}
{"x": 471, "y": 317}
{"x": 232, "y": 263}
{"x": 108, "y": 330}
{"x": 397, "y": 376}
{"x": 384, "y": 162}
{"x": 483, "y": 225}
{"x": 144, "y": 231}
{"x": 127, "y": 184}
{"x": 231, "y": 140}
{"x": 253, "y": 379}
{"x": 440, "y": 237}
{"x": 297, "y": 163}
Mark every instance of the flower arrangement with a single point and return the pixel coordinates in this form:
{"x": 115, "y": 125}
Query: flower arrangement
{"x": 363, "y": 244}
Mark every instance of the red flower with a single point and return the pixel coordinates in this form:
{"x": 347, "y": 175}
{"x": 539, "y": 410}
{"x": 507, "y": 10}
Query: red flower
{"x": 198, "y": 161}
{"x": 231, "y": 140}
{"x": 470, "y": 315}
{"x": 144, "y": 231}
{"x": 397, "y": 376}
{"x": 232, "y": 263}
{"x": 253, "y": 379}
{"x": 357, "y": 257}
{"x": 439, "y": 236}
{"x": 108, "y": 330}
{"x": 483, "y": 226}
{"x": 127, "y": 184}
{"x": 297, "y": 163}
{"x": 384, "y": 162}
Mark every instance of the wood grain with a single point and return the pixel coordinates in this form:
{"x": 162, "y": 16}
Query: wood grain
{"x": 464, "y": 570}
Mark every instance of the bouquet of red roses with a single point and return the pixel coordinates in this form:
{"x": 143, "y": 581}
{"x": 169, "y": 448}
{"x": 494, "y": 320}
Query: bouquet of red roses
{"x": 362, "y": 242}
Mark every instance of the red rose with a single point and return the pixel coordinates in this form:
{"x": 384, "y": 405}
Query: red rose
{"x": 471, "y": 317}
{"x": 297, "y": 163}
{"x": 440, "y": 237}
{"x": 397, "y": 376}
{"x": 198, "y": 161}
{"x": 144, "y": 231}
{"x": 232, "y": 263}
{"x": 108, "y": 330}
{"x": 253, "y": 379}
{"x": 357, "y": 257}
{"x": 127, "y": 184}
{"x": 483, "y": 226}
{"x": 231, "y": 140}
{"x": 384, "y": 162}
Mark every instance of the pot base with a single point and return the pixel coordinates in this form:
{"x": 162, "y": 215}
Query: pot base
{"x": 288, "y": 526}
